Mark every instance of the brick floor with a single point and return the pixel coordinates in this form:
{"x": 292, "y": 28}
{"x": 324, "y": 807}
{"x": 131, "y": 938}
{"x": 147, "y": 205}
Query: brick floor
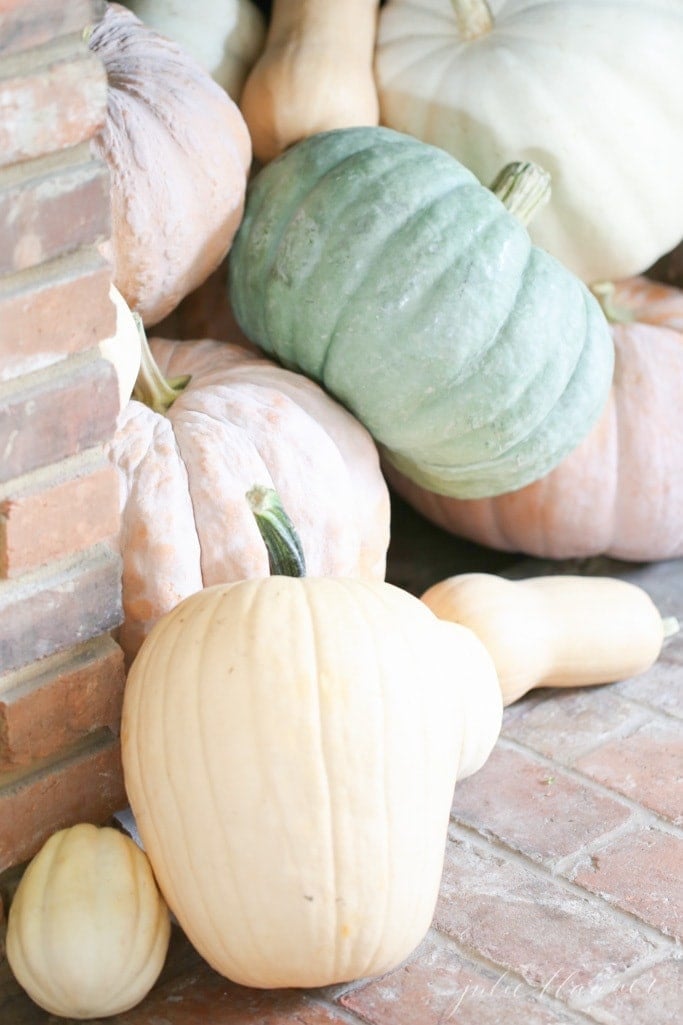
{"x": 562, "y": 894}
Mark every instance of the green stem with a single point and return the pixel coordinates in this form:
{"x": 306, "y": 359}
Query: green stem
{"x": 604, "y": 293}
{"x": 670, "y": 626}
{"x": 474, "y": 18}
{"x": 151, "y": 387}
{"x": 285, "y": 554}
{"x": 523, "y": 188}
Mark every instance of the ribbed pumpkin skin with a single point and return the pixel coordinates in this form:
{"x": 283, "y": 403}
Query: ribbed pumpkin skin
{"x": 379, "y": 266}
{"x": 88, "y": 930}
{"x": 242, "y": 420}
{"x": 620, "y": 492}
{"x": 290, "y": 748}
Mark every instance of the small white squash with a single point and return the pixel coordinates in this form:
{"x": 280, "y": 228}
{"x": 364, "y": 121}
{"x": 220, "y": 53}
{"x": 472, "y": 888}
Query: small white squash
{"x": 124, "y": 348}
{"x": 87, "y": 930}
{"x": 224, "y": 36}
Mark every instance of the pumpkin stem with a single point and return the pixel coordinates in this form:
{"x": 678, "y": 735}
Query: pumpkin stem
{"x": 670, "y": 626}
{"x": 523, "y": 188}
{"x": 474, "y": 18}
{"x": 151, "y": 387}
{"x": 285, "y": 554}
{"x": 604, "y": 293}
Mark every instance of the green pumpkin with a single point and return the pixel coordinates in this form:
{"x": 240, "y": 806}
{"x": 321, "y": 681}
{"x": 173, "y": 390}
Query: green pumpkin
{"x": 380, "y": 267}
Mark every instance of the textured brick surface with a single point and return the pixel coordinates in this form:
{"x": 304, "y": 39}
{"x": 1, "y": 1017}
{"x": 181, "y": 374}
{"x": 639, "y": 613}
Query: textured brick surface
{"x": 657, "y": 688}
{"x": 65, "y": 698}
{"x": 55, "y": 413}
{"x": 652, "y": 997}
{"x": 535, "y": 809}
{"x": 29, "y": 23}
{"x": 51, "y": 312}
{"x": 77, "y": 600}
{"x": 52, "y": 211}
{"x": 59, "y": 793}
{"x": 646, "y": 765}
{"x": 641, "y": 872}
{"x": 532, "y": 925}
{"x": 49, "y": 520}
{"x": 439, "y": 987}
{"x": 59, "y": 104}
{"x": 565, "y": 724}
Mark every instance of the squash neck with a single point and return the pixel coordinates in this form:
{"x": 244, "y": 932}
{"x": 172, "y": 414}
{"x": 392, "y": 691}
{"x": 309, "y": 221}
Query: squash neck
{"x": 523, "y": 188}
{"x": 474, "y": 18}
{"x": 285, "y": 554}
{"x": 151, "y": 387}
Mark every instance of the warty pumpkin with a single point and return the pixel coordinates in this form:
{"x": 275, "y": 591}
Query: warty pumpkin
{"x": 178, "y": 153}
{"x": 290, "y": 747}
{"x": 379, "y": 266}
{"x": 186, "y": 453}
{"x": 224, "y": 36}
{"x": 314, "y": 74}
{"x": 87, "y": 929}
{"x": 620, "y": 492}
{"x": 555, "y": 631}
{"x": 591, "y": 91}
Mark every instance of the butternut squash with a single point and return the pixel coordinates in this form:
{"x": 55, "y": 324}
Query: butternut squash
{"x": 314, "y": 74}
{"x": 555, "y": 631}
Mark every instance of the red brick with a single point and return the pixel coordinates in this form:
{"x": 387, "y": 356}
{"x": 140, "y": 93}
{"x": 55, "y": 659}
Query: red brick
{"x": 646, "y": 766}
{"x": 564, "y": 724}
{"x": 85, "y": 785}
{"x": 55, "y": 413}
{"x": 532, "y": 808}
{"x": 74, "y": 601}
{"x": 439, "y": 987}
{"x": 28, "y": 23}
{"x": 65, "y": 698}
{"x": 641, "y": 872}
{"x": 661, "y": 687}
{"x": 52, "y": 210}
{"x": 55, "y": 310}
{"x": 60, "y": 104}
{"x": 652, "y": 997}
{"x": 53, "y": 519}
{"x": 524, "y": 922}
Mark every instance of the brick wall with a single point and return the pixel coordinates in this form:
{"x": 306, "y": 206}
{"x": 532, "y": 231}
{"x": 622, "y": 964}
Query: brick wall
{"x": 61, "y": 674}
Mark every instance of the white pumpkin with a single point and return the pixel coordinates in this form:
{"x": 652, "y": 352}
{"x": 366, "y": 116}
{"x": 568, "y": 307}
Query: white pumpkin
{"x": 123, "y": 349}
{"x": 224, "y": 36}
{"x": 593, "y": 92}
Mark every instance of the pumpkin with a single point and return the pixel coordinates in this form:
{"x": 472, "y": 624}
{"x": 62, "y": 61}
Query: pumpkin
{"x": 178, "y": 153}
{"x": 380, "y": 267}
{"x": 224, "y": 36}
{"x": 620, "y": 492}
{"x": 290, "y": 747}
{"x": 87, "y": 930}
{"x": 123, "y": 349}
{"x": 315, "y": 73}
{"x": 555, "y": 631}
{"x": 591, "y": 91}
{"x": 186, "y": 452}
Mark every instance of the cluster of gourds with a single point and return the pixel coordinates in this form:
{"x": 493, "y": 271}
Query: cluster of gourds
{"x": 294, "y": 725}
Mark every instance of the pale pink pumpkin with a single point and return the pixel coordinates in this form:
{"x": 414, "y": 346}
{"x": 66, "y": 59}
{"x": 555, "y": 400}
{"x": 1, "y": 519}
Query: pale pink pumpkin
{"x": 178, "y": 152}
{"x": 242, "y": 420}
{"x": 620, "y": 493}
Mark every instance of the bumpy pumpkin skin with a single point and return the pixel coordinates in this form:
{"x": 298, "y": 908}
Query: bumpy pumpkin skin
{"x": 620, "y": 492}
{"x": 241, "y": 421}
{"x": 380, "y": 267}
{"x": 178, "y": 153}
{"x": 88, "y": 930}
{"x": 290, "y": 748}
{"x": 590, "y": 90}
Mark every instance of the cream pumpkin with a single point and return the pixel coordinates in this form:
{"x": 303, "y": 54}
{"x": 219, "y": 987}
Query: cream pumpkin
{"x": 178, "y": 153}
{"x": 87, "y": 930}
{"x": 184, "y": 471}
{"x": 317, "y": 727}
{"x": 620, "y": 492}
{"x": 589, "y": 90}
